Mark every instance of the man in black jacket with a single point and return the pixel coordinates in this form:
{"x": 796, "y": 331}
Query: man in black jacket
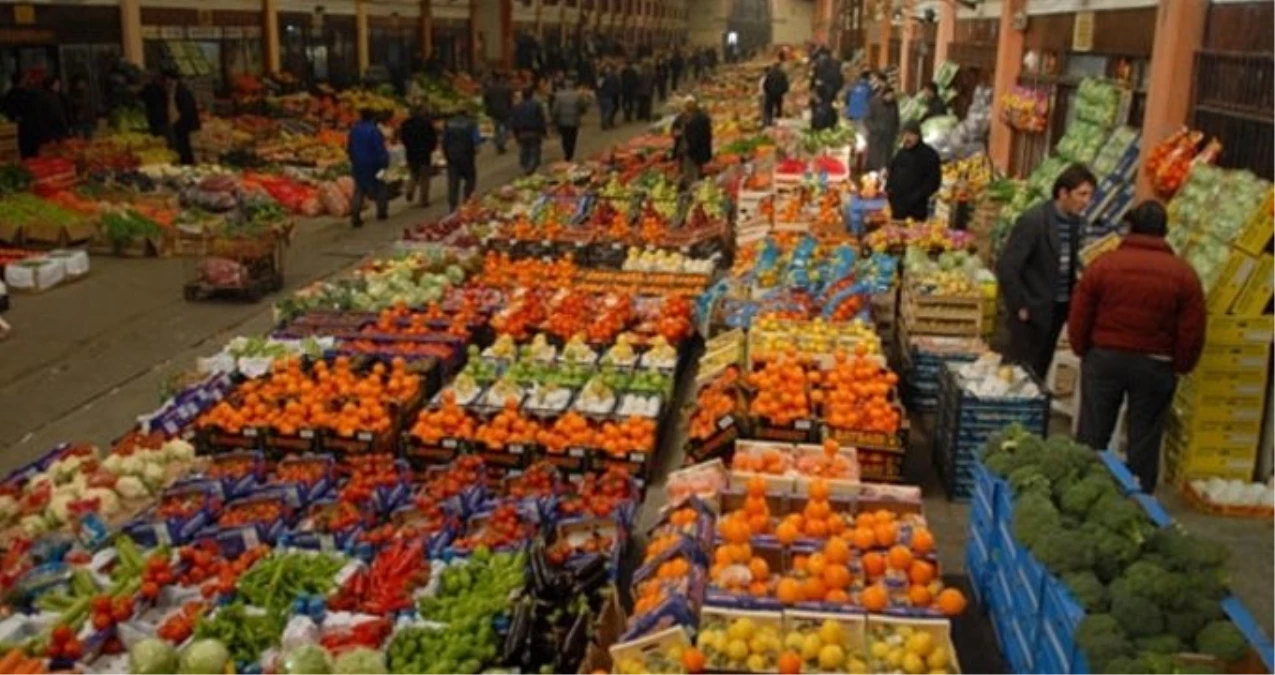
{"x": 628, "y": 90}
{"x": 675, "y": 66}
{"x": 697, "y": 142}
{"x": 498, "y": 101}
{"x": 530, "y": 126}
{"x": 187, "y": 121}
{"x": 828, "y": 77}
{"x": 645, "y": 90}
{"x": 915, "y": 175}
{"x": 1037, "y": 269}
{"x": 460, "y": 147}
{"x": 608, "y": 96}
{"x": 419, "y": 139}
{"x": 774, "y": 87}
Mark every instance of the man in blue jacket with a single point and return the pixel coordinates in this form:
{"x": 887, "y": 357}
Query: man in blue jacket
{"x": 460, "y": 147}
{"x": 858, "y": 97}
{"x": 368, "y": 158}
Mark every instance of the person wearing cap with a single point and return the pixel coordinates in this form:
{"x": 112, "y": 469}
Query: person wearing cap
{"x": 1137, "y": 321}
{"x": 914, "y": 176}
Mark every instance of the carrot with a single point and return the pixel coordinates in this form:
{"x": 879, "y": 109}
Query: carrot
{"x": 30, "y": 666}
{"x": 11, "y": 660}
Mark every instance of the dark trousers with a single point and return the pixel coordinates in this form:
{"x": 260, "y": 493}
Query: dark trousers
{"x": 529, "y": 155}
{"x": 1033, "y": 347}
{"x": 375, "y": 190}
{"x": 421, "y": 172}
{"x": 675, "y": 76}
{"x": 569, "y": 135}
{"x": 181, "y": 144}
{"x": 607, "y": 107}
{"x": 772, "y": 109}
{"x": 1106, "y": 377}
{"x": 644, "y": 107}
{"x": 629, "y": 103}
{"x": 456, "y": 174}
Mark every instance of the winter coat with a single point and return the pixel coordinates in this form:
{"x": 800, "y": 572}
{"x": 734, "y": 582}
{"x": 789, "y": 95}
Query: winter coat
{"x": 568, "y": 107}
{"x": 1140, "y": 298}
{"x": 419, "y": 139}
{"x": 498, "y": 101}
{"x": 1027, "y": 272}
{"x": 365, "y": 147}
{"x": 883, "y": 128}
{"x": 915, "y": 175}
{"x": 697, "y": 137}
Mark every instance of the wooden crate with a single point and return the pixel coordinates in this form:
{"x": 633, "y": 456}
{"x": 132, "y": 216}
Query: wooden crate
{"x": 941, "y": 314}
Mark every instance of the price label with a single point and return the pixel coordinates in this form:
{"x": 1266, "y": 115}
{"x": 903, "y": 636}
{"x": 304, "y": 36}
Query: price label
{"x": 449, "y": 443}
{"x": 575, "y": 452}
{"x": 726, "y": 422}
{"x": 803, "y": 425}
{"x": 250, "y": 432}
{"x": 515, "y": 450}
{"x": 306, "y": 433}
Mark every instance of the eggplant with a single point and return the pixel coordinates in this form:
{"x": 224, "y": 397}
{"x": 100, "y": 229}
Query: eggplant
{"x": 539, "y": 568}
{"x": 519, "y": 632}
{"x": 574, "y": 645}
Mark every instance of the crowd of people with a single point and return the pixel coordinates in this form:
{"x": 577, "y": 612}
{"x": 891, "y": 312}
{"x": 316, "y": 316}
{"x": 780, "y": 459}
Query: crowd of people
{"x": 46, "y": 112}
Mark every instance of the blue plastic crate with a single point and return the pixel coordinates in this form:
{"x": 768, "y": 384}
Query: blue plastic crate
{"x": 1124, "y": 478}
{"x": 1029, "y": 582}
{"x": 979, "y": 564}
{"x": 1060, "y": 616}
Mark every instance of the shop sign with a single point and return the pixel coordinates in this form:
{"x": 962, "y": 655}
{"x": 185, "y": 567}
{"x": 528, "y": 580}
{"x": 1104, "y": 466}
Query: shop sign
{"x": 24, "y": 14}
{"x": 1082, "y": 32}
{"x": 172, "y": 32}
{"x": 27, "y": 36}
{"x": 232, "y": 33}
{"x": 204, "y": 33}
{"x": 150, "y": 32}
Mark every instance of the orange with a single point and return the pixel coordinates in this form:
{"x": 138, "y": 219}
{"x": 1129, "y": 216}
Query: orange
{"x": 837, "y": 551}
{"x": 735, "y": 530}
{"x": 886, "y": 534}
{"x": 693, "y": 660}
{"x": 873, "y": 564}
{"x": 817, "y": 508}
{"x": 759, "y": 523}
{"x": 950, "y": 601}
{"x": 836, "y": 524}
{"x": 799, "y": 563}
{"x": 919, "y": 596}
{"x": 922, "y": 540}
{"x": 789, "y": 663}
{"x": 874, "y": 598}
{"x": 921, "y": 572}
{"x": 865, "y": 520}
{"x": 837, "y": 577}
{"x": 758, "y": 589}
{"x": 756, "y": 486}
{"x": 818, "y": 490}
{"x": 816, "y": 528}
{"x": 883, "y": 516}
{"x": 838, "y": 596}
{"x": 741, "y": 553}
{"x": 755, "y": 505}
{"x": 788, "y": 591}
{"x": 816, "y": 564}
{"x": 863, "y": 538}
{"x": 899, "y": 557}
{"x": 759, "y": 568}
{"x": 814, "y": 589}
{"x": 787, "y": 532}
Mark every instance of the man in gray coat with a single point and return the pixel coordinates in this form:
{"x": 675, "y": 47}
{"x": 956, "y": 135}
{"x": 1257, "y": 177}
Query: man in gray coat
{"x": 1037, "y": 269}
{"x": 882, "y": 123}
{"x": 568, "y": 106}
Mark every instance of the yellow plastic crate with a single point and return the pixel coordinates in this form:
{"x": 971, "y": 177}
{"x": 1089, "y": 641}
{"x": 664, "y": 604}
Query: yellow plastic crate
{"x": 1216, "y": 409}
{"x": 1259, "y": 228}
{"x": 1235, "y": 273}
{"x": 1220, "y": 441}
{"x": 1225, "y": 385}
{"x": 1180, "y": 465}
{"x": 1227, "y": 359}
{"x": 1257, "y": 292}
{"x": 1239, "y": 330}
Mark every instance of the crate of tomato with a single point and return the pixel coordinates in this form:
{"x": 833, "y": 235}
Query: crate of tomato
{"x": 245, "y": 523}
{"x": 182, "y": 512}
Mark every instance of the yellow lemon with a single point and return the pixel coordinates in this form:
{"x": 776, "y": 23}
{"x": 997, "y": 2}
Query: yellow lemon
{"x": 758, "y": 645}
{"x": 895, "y": 658}
{"x": 830, "y": 632}
{"x": 737, "y": 650}
{"x": 880, "y": 650}
{"x": 921, "y": 643}
{"x": 810, "y": 647}
{"x": 741, "y": 630}
{"x": 857, "y": 666}
{"x": 794, "y": 641}
{"x": 938, "y": 658}
{"x": 831, "y": 657}
{"x": 913, "y": 664}
{"x": 757, "y": 663}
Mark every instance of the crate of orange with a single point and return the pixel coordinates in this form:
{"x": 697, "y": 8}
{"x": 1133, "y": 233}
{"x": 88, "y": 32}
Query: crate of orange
{"x": 441, "y": 432}
{"x": 780, "y": 402}
{"x": 714, "y": 425}
{"x": 670, "y": 588}
{"x": 770, "y": 461}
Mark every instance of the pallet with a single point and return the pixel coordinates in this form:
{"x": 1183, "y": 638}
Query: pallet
{"x": 253, "y": 291}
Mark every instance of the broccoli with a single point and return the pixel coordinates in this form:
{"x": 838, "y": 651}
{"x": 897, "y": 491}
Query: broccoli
{"x": 1112, "y": 551}
{"x": 1196, "y": 611}
{"x": 1139, "y": 616}
{"x": 1084, "y": 493}
{"x": 1159, "y": 644}
{"x": 1011, "y": 448}
{"x": 1063, "y": 550}
{"x": 1034, "y": 517}
{"x": 1027, "y": 479}
{"x": 1149, "y": 581}
{"x": 1064, "y": 457}
{"x": 1222, "y": 640}
{"x": 1185, "y": 552}
{"x": 1125, "y": 664}
{"x": 1087, "y": 590}
{"x": 1121, "y": 516}
{"x": 1103, "y": 640}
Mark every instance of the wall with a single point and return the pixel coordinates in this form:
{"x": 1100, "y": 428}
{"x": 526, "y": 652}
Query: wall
{"x": 792, "y": 21}
{"x": 487, "y": 16}
{"x": 707, "y": 22}
{"x": 1240, "y": 27}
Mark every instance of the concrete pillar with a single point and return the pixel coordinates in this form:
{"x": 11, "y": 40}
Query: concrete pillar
{"x": 270, "y": 34}
{"x": 506, "y": 33}
{"x": 361, "y": 35}
{"x": 886, "y": 11}
{"x": 945, "y": 33}
{"x": 905, "y": 45}
{"x": 131, "y": 32}
{"x": 1009, "y": 61}
{"x": 427, "y": 28}
{"x": 1179, "y": 33}
{"x": 475, "y": 52}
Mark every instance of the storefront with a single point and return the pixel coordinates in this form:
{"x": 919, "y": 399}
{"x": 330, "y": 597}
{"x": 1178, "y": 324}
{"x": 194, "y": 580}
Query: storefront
{"x": 70, "y": 41}
{"x": 210, "y": 48}
{"x": 394, "y": 46}
{"x": 319, "y": 47}
{"x": 1234, "y": 80}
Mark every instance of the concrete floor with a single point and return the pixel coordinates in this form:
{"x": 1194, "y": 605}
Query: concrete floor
{"x": 85, "y": 359}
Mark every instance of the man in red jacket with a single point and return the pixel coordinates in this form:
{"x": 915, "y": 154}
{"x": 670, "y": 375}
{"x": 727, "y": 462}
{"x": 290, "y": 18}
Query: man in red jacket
{"x": 1137, "y": 319}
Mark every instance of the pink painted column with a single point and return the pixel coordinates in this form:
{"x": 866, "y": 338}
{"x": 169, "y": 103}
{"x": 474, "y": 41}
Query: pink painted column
{"x": 1009, "y": 61}
{"x": 1179, "y": 33}
{"x": 945, "y": 34}
{"x": 905, "y": 45}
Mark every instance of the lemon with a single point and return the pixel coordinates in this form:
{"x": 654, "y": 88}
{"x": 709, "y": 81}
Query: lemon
{"x": 913, "y": 664}
{"x": 794, "y": 641}
{"x": 831, "y": 657}
{"x": 921, "y": 644}
{"x": 895, "y": 658}
{"x": 880, "y": 650}
{"x": 938, "y": 658}
{"x": 856, "y": 666}
{"x": 939, "y": 671}
{"x": 810, "y": 647}
{"x": 741, "y": 630}
{"x": 631, "y": 666}
{"x": 830, "y": 632}
{"x": 675, "y": 653}
{"x": 903, "y": 631}
{"x": 758, "y": 645}
{"x": 757, "y": 663}
{"x": 737, "y": 650}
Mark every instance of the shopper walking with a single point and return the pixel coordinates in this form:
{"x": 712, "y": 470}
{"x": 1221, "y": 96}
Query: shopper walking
{"x": 369, "y": 158}
{"x": 82, "y": 108}
{"x": 661, "y": 77}
{"x": 882, "y": 123}
{"x": 498, "y": 102}
{"x": 567, "y": 109}
{"x": 419, "y": 139}
{"x": 828, "y": 79}
{"x": 934, "y": 105}
{"x": 628, "y": 90}
{"x": 676, "y": 65}
{"x": 529, "y": 127}
{"x": 1037, "y": 269}
{"x": 774, "y": 88}
{"x": 858, "y": 97}
{"x": 915, "y": 175}
{"x": 460, "y": 147}
{"x": 697, "y": 142}
{"x": 608, "y": 96}
{"x": 1137, "y": 321}
{"x": 645, "y": 90}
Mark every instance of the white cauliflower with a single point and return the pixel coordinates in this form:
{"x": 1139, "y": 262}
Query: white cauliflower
{"x": 59, "y": 509}
{"x": 113, "y": 463}
{"x": 131, "y": 487}
{"x": 132, "y": 465}
{"x": 154, "y": 474}
{"x": 9, "y": 508}
{"x": 66, "y": 467}
{"x": 108, "y": 501}
{"x": 179, "y": 450}
{"x": 33, "y": 526}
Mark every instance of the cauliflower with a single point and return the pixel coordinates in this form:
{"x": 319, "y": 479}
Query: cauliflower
{"x": 132, "y": 464}
{"x": 154, "y": 474}
{"x": 65, "y": 467}
{"x": 130, "y": 487}
{"x": 179, "y": 450}
{"x": 113, "y": 463}
{"x": 59, "y": 509}
{"x": 9, "y": 508}
{"x": 108, "y": 501}
{"x": 33, "y": 526}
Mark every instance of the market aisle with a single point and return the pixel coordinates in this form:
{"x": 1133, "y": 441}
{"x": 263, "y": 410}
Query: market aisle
{"x": 96, "y": 353}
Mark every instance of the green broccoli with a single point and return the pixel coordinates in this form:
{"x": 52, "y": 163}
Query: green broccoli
{"x": 1122, "y": 516}
{"x": 1196, "y": 611}
{"x": 1112, "y": 551}
{"x": 1139, "y": 616}
{"x": 1222, "y": 640}
{"x": 1027, "y": 479}
{"x": 1087, "y": 590}
{"x": 1159, "y": 644}
{"x": 1011, "y": 448}
{"x": 1034, "y": 517}
{"x": 1063, "y": 550}
{"x": 1125, "y": 664}
{"x": 1084, "y": 493}
{"x": 1186, "y": 552}
{"x": 1102, "y": 639}
{"x": 1152, "y": 582}
{"x": 1064, "y": 457}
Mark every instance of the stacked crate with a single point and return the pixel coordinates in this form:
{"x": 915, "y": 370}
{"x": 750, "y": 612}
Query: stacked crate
{"x": 924, "y": 358}
{"x": 933, "y": 314}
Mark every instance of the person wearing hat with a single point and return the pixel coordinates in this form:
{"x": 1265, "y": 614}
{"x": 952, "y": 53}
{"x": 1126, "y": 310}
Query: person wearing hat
{"x": 914, "y": 176}
{"x": 1137, "y": 321}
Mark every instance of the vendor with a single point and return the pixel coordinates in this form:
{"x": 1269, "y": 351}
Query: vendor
{"x": 914, "y": 176}
{"x": 882, "y": 124}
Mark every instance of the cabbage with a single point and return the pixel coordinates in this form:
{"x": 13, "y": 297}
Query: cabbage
{"x": 360, "y": 660}
{"x": 152, "y": 656}
{"x": 205, "y": 657}
{"x": 308, "y": 659}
